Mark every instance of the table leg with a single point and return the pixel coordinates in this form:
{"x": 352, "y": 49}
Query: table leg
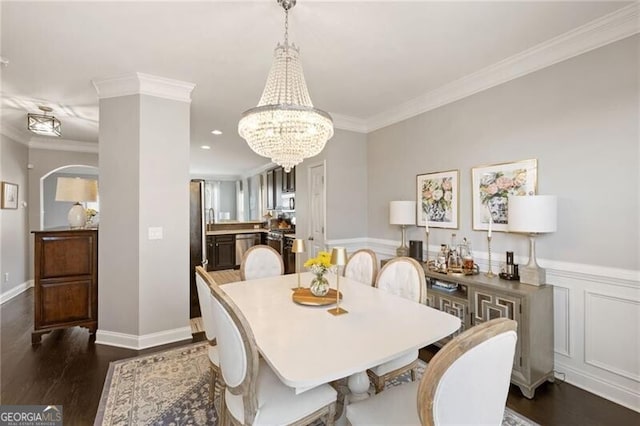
{"x": 358, "y": 385}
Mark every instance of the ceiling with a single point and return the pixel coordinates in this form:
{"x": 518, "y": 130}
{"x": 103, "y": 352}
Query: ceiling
{"x": 361, "y": 59}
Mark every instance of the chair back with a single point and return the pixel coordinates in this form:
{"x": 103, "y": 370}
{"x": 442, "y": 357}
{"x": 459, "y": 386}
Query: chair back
{"x": 403, "y": 276}
{"x": 237, "y": 348}
{"x": 362, "y": 266}
{"x": 468, "y": 380}
{"x": 204, "y": 298}
{"x": 259, "y": 262}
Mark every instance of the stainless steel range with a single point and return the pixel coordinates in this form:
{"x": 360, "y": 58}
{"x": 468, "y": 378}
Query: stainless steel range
{"x": 275, "y": 238}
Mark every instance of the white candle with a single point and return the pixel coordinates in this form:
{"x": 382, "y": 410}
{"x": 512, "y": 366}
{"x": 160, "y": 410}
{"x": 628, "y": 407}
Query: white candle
{"x": 426, "y": 226}
{"x": 490, "y": 225}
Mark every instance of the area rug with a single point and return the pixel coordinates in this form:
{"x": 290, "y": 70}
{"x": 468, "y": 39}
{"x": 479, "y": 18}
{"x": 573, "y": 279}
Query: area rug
{"x": 172, "y": 388}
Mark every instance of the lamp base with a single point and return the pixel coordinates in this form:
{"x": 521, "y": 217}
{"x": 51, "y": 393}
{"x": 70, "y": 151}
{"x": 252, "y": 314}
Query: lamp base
{"x": 337, "y": 311}
{"x": 402, "y": 251}
{"x": 77, "y": 217}
{"x": 532, "y": 275}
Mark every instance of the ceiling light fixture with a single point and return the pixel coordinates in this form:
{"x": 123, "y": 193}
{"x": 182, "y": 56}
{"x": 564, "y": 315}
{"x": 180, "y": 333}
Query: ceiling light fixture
{"x": 43, "y": 124}
{"x": 285, "y": 126}
{"x": 205, "y": 147}
{"x": 216, "y": 132}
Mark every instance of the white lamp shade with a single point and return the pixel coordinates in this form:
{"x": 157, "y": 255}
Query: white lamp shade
{"x": 76, "y": 189}
{"x": 534, "y": 213}
{"x": 402, "y": 212}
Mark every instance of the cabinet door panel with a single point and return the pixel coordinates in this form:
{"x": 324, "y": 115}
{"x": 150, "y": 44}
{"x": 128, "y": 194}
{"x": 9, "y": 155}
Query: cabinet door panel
{"x": 66, "y": 301}
{"x": 456, "y": 308}
{"x": 488, "y": 306}
{"x": 66, "y": 256}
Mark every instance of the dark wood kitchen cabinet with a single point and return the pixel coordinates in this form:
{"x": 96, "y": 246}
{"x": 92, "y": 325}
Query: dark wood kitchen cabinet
{"x": 210, "y": 252}
{"x": 289, "y": 181}
{"x": 66, "y": 281}
{"x": 224, "y": 252}
{"x": 271, "y": 189}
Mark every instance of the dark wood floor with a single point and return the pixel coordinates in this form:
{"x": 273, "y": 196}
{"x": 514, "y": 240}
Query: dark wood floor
{"x": 69, "y": 369}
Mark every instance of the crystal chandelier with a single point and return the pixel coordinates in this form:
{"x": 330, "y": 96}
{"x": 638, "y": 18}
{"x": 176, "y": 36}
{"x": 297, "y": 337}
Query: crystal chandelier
{"x": 43, "y": 124}
{"x": 285, "y": 126}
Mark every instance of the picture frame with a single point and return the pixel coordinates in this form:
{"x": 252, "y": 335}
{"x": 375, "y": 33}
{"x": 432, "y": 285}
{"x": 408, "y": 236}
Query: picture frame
{"x": 492, "y": 185}
{"x": 437, "y": 199}
{"x": 9, "y": 195}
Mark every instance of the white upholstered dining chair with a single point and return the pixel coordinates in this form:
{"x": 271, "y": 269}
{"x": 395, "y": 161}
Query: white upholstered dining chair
{"x": 254, "y": 395}
{"x": 466, "y": 383}
{"x": 362, "y": 266}
{"x": 204, "y": 297}
{"x": 259, "y": 262}
{"x": 404, "y": 277}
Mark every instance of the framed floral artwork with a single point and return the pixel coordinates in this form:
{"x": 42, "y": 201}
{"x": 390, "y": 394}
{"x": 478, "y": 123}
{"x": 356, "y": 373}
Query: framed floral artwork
{"x": 9, "y": 195}
{"x": 437, "y": 199}
{"x": 492, "y": 186}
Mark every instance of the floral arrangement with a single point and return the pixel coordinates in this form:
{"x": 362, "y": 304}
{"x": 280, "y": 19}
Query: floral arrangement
{"x": 91, "y": 213}
{"x": 437, "y": 198}
{"x": 495, "y": 188}
{"x": 320, "y": 264}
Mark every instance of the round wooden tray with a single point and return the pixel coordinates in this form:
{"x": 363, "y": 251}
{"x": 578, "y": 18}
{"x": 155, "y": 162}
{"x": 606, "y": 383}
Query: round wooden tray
{"x": 304, "y": 296}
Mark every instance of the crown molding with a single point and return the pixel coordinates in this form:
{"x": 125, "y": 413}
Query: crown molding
{"x": 143, "y": 84}
{"x": 63, "y": 145}
{"x": 20, "y": 136}
{"x": 607, "y": 29}
{"x": 345, "y": 122}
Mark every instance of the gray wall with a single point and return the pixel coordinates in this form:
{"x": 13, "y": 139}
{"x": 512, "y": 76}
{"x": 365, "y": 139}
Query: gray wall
{"x": 346, "y": 187}
{"x": 14, "y": 230}
{"x": 228, "y": 198}
{"x": 578, "y": 118}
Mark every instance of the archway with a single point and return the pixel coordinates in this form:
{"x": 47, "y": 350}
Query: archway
{"x": 53, "y": 213}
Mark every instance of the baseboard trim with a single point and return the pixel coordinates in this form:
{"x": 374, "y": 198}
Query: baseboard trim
{"x": 15, "y": 291}
{"x": 596, "y": 385}
{"x": 132, "y": 341}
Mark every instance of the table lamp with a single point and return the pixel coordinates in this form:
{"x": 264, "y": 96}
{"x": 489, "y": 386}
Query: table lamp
{"x": 338, "y": 258}
{"x": 533, "y": 215}
{"x": 402, "y": 213}
{"x": 76, "y": 190}
{"x": 297, "y": 248}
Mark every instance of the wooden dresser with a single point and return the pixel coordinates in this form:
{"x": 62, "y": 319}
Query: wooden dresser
{"x": 66, "y": 280}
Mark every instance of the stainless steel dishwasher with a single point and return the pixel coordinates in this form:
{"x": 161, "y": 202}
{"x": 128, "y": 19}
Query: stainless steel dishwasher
{"x": 243, "y": 243}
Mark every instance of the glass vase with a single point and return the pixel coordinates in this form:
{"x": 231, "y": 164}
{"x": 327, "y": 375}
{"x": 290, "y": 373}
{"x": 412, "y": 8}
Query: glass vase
{"x": 319, "y": 286}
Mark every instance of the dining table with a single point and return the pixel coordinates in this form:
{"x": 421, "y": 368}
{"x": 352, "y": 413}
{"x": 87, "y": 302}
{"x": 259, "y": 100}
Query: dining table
{"x": 306, "y": 346}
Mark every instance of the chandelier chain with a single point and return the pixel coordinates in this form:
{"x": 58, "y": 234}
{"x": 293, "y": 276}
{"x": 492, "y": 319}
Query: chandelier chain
{"x": 287, "y": 99}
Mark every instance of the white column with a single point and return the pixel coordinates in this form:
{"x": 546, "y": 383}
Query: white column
{"x": 143, "y": 272}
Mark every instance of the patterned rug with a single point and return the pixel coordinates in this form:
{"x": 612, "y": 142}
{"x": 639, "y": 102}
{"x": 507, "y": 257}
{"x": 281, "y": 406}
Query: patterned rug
{"x": 172, "y": 388}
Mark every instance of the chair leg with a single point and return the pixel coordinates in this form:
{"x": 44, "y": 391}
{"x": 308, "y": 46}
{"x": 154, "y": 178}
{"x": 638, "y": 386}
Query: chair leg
{"x": 331, "y": 415}
{"x": 414, "y": 374}
{"x": 212, "y": 386}
{"x": 379, "y": 384}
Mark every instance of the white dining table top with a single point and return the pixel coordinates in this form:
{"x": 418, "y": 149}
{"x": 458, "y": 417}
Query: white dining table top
{"x": 307, "y": 346}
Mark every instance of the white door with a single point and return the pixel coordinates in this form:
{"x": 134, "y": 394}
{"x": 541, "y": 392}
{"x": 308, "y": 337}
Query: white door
{"x": 316, "y": 209}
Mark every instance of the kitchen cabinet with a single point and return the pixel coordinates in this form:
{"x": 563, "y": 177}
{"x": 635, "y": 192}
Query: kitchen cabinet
{"x": 279, "y": 175}
{"x": 224, "y": 252}
{"x": 210, "y": 252}
{"x": 271, "y": 196}
{"x": 289, "y": 181}
{"x": 479, "y": 298}
{"x": 66, "y": 281}
{"x": 288, "y": 257}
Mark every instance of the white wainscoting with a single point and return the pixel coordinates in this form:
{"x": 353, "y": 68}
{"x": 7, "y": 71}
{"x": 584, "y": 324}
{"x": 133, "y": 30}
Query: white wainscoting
{"x": 596, "y": 321}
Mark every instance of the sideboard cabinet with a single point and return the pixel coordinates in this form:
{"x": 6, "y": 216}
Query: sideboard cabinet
{"x": 478, "y": 299}
{"x": 66, "y": 281}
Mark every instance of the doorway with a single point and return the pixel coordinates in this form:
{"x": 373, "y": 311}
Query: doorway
{"x": 317, "y": 210}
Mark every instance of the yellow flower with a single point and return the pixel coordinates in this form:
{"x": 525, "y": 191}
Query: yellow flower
{"x": 319, "y": 264}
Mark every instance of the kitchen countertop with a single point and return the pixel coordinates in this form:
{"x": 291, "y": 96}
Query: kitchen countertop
{"x": 238, "y": 231}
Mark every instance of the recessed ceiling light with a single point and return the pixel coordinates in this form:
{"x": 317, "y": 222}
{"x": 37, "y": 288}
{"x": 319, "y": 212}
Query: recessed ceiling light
{"x": 205, "y": 147}
{"x": 216, "y": 132}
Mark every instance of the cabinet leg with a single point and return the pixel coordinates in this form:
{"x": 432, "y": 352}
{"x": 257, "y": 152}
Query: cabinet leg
{"x": 36, "y": 337}
{"x": 528, "y": 393}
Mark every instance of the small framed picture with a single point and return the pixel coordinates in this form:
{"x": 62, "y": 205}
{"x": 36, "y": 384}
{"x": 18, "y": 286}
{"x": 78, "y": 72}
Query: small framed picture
{"x": 437, "y": 199}
{"x": 9, "y": 195}
{"x": 492, "y": 186}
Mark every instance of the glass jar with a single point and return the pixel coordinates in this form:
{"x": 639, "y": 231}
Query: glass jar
{"x": 441, "y": 260}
